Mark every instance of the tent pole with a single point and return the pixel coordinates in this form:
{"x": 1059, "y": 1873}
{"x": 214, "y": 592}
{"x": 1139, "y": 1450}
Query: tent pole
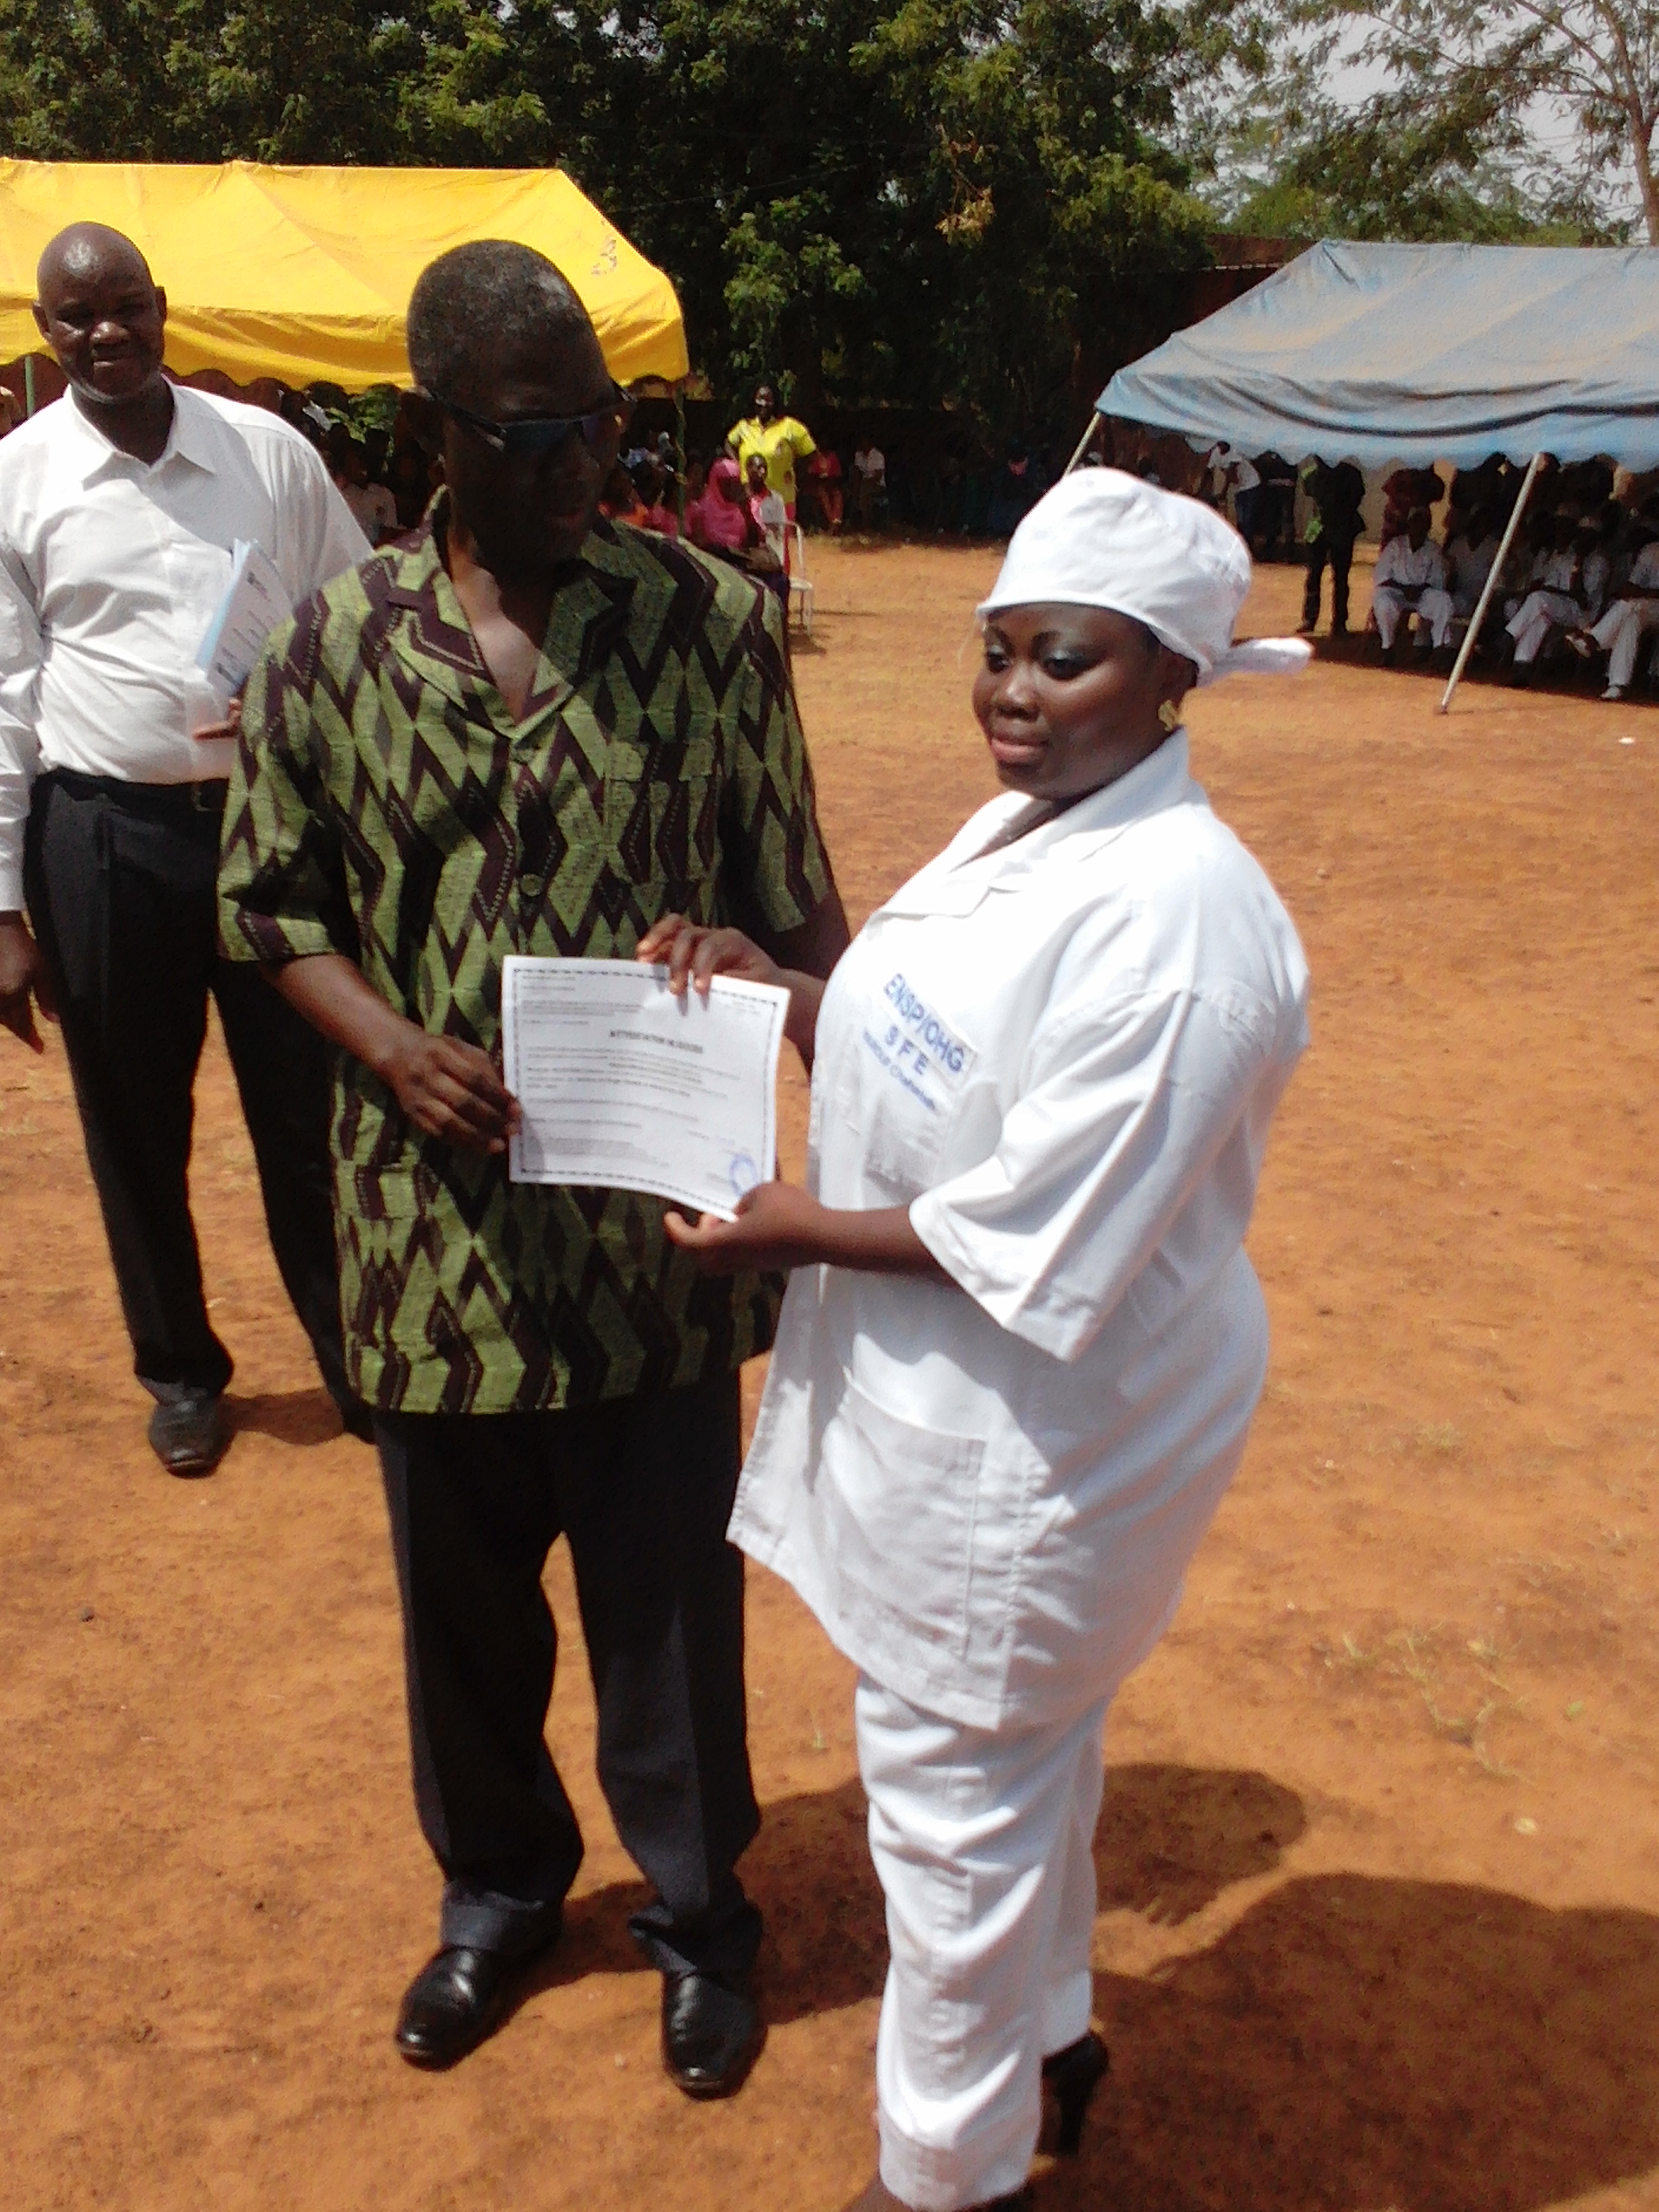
{"x": 28, "y": 383}
{"x": 1490, "y": 584}
{"x": 1084, "y": 444}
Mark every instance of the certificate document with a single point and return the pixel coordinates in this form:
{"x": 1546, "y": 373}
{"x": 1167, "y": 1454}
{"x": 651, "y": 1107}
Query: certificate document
{"x": 254, "y": 604}
{"x": 625, "y": 1085}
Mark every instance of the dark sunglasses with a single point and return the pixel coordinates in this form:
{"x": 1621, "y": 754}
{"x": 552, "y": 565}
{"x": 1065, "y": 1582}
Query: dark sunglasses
{"x": 546, "y": 433}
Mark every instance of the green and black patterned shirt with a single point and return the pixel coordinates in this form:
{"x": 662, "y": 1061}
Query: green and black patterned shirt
{"x": 386, "y": 805}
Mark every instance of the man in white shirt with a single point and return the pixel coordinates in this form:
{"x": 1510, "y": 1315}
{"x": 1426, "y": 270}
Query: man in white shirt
{"x": 1567, "y": 591}
{"x": 1231, "y": 471}
{"x": 1470, "y": 559}
{"x": 119, "y": 508}
{"x": 1411, "y": 579}
{"x": 870, "y": 482}
{"x": 1626, "y": 623}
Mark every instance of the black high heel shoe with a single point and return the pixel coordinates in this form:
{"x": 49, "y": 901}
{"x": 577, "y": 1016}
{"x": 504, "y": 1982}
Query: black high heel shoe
{"x": 1073, "y": 2075}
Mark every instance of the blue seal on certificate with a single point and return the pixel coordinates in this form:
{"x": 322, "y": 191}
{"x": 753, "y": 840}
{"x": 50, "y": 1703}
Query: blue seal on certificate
{"x": 743, "y": 1174}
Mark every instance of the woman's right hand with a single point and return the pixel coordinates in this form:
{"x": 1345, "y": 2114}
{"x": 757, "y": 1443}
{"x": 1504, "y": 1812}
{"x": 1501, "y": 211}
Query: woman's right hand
{"x": 694, "y": 955}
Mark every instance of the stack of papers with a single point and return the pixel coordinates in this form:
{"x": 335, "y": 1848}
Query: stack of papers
{"x": 255, "y": 602}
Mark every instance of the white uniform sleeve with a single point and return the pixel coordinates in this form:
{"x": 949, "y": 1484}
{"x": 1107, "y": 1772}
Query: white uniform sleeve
{"x": 324, "y": 538}
{"x": 20, "y": 747}
{"x": 1123, "y": 1112}
{"x": 1386, "y": 561}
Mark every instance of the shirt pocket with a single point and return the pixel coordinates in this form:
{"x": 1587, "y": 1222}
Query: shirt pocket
{"x": 904, "y": 1086}
{"x": 661, "y": 802}
{"x": 899, "y": 1504}
{"x": 199, "y": 575}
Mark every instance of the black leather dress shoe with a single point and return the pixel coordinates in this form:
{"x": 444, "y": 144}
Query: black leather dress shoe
{"x": 457, "y": 1998}
{"x": 189, "y": 1435}
{"x": 711, "y": 2032}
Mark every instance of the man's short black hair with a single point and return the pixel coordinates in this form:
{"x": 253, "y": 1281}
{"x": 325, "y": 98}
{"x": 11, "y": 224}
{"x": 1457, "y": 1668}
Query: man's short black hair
{"x": 490, "y": 297}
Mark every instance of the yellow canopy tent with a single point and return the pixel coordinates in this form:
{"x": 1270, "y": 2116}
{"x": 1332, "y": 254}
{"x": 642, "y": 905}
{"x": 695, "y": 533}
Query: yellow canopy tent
{"x": 304, "y": 274}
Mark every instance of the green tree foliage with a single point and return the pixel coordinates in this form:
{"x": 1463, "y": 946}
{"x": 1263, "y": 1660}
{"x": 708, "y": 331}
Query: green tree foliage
{"x": 1495, "y": 120}
{"x": 1391, "y": 172}
{"x": 914, "y": 200}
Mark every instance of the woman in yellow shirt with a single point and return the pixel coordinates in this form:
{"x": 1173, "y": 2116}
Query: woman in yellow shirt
{"x": 779, "y": 439}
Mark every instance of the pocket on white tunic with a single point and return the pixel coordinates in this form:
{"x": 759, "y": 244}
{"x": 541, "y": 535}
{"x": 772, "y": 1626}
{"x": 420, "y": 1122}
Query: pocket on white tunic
{"x": 903, "y": 1088}
{"x": 898, "y": 1503}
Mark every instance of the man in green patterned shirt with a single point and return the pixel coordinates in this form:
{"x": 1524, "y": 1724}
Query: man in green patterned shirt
{"x": 521, "y": 730}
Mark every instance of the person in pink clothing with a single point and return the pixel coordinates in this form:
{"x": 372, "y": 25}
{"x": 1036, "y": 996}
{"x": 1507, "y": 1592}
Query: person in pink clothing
{"x": 721, "y": 521}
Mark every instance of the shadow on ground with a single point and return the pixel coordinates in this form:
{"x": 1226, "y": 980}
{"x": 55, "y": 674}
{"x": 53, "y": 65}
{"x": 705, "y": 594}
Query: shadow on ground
{"x": 1349, "y": 2044}
{"x": 1171, "y": 1839}
{"x": 292, "y": 1417}
{"x": 1353, "y": 2043}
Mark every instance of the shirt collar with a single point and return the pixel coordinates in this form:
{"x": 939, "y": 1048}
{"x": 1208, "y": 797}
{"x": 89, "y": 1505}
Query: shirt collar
{"x": 190, "y": 438}
{"x": 1163, "y": 779}
{"x": 436, "y": 639}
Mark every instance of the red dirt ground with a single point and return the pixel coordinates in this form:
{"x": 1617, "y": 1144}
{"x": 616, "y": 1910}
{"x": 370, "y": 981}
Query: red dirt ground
{"x": 1380, "y": 1860}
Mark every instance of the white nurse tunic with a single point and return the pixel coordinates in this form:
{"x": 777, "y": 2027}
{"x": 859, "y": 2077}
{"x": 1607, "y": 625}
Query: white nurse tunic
{"x": 1062, "y": 1054}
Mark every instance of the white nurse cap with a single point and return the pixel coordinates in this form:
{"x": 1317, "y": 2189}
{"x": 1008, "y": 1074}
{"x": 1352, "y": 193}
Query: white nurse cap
{"x": 1104, "y": 540}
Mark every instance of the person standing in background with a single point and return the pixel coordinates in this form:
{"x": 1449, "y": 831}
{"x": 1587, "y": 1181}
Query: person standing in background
{"x": 779, "y": 441}
{"x": 119, "y": 506}
{"x": 1334, "y": 496}
{"x": 1233, "y": 472}
{"x": 869, "y": 484}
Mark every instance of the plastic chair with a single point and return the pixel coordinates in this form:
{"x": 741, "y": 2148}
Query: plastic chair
{"x": 800, "y": 588}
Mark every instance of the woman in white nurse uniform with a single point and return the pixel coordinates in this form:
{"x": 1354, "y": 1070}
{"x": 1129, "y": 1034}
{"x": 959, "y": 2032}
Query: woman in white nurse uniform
{"x": 1022, "y": 1343}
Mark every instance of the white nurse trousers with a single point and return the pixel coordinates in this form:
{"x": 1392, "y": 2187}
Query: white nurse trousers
{"x": 983, "y": 1841}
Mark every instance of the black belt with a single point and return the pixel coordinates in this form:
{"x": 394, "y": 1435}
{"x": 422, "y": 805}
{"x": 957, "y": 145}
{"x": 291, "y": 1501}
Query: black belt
{"x": 163, "y": 801}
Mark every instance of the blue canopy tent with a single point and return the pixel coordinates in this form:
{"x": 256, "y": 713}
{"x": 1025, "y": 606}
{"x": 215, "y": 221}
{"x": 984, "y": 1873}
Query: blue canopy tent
{"x": 1414, "y": 354}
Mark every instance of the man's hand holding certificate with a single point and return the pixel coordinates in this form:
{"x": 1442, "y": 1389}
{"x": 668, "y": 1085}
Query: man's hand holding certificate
{"x": 624, "y": 1084}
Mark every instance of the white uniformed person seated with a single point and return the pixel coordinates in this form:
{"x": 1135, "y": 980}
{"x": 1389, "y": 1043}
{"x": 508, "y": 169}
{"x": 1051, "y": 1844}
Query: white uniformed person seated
{"x": 1619, "y": 632}
{"x": 1410, "y": 581}
{"x": 1567, "y": 591}
{"x": 1022, "y": 1344}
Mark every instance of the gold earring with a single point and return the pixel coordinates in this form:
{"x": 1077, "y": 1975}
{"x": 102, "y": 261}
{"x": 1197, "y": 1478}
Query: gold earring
{"x": 1169, "y": 714}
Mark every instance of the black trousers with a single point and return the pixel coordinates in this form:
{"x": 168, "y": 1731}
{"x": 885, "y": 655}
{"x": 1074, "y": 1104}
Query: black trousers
{"x": 642, "y": 1488}
{"x": 119, "y": 880}
{"x": 1339, "y": 552}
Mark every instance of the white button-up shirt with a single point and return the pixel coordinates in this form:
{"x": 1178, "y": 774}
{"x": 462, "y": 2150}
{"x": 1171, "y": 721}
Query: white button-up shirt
{"x": 1468, "y": 568}
{"x": 1410, "y": 568}
{"x": 1062, "y": 1054}
{"x": 110, "y": 571}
